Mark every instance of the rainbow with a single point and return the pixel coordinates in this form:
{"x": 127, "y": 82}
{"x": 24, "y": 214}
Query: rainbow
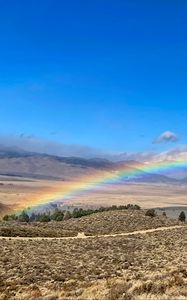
{"x": 66, "y": 191}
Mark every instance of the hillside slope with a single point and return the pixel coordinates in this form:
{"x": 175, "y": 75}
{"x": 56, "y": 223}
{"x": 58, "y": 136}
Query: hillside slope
{"x": 96, "y": 224}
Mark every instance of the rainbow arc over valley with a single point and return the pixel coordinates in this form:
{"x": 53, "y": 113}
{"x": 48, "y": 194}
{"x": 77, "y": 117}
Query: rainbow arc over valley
{"x": 67, "y": 191}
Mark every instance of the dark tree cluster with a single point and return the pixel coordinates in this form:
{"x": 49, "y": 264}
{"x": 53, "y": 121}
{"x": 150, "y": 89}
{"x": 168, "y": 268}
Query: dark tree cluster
{"x": 150, "y": 213}
{"x": 59, "y": 215}
{"x": 182, "y": 216}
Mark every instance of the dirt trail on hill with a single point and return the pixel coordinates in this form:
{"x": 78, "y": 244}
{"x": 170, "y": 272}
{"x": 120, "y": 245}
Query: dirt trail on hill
{"x": 83, "y": 236}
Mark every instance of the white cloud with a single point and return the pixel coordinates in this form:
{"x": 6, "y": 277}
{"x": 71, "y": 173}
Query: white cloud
{"x": 175, "y": 154}
{"x": 167, "y": 136}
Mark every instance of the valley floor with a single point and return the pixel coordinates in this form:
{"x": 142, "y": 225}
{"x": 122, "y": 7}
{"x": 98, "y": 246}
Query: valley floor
{"x": 24, "y": 192}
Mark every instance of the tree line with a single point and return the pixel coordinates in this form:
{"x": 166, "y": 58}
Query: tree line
{"x": 61, "y": 215}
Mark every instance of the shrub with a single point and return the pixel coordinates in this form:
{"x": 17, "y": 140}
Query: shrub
{"x": 23, "y": 217}
{"x": 6, "y": 218}
{"x": 130, "y": 206}
{"x": 67, "y": 215}
{"x": 150, "y": 213}
{"x": 12, "y": 217}
{"x": 121, "y": 207}
{"x": 57, "y": 215}
{"x": 133, "y": 206}
{"x": 33, "y": 217}
{"x": 182, "y": 216}
{"x": 44, "y": 218}
{"x": 78, "y": 213}
{"x": 137, "y": 207}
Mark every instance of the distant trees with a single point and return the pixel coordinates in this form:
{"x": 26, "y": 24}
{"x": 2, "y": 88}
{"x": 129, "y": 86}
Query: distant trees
{"x": 67, "y": 215}
{"x": 6, "y": 218}
{"x": 59, "y": 215}
{"x": 150, "y": 213}
{"x": 23, "y": 217}
{"x": 12, "y": 217}
{"x": 44, "y": 218}
{"x": 182, "y": 216}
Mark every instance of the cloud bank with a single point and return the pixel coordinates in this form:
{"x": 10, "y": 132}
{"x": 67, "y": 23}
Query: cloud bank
{"x": 41, "y": 145}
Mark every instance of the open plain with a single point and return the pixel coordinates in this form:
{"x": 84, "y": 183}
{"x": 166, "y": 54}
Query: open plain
{"x": 21, "y": 192}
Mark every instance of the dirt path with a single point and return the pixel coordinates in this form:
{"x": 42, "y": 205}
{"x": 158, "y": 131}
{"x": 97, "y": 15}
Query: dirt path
{"x": 83, "y": 236}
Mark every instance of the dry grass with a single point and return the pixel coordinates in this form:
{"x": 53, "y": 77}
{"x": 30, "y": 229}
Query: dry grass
{"x": 149, "y": 266}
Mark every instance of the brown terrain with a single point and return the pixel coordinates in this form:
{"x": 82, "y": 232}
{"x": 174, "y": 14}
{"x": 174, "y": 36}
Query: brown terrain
{"x": 110, "y": 222}
{"x": 125, "y": 255}
{"x": 26, "y": 177}
{"x": 16, "y": 192}
{"x": 140, "y": 265}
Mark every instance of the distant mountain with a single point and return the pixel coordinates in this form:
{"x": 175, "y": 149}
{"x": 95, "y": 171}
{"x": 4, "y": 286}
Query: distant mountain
{"x": 179, "y": 173}
{"x": 17, "y": 162}
{"x": 12, "y": 151}
{"x": 137, "y": 174}
{"x": 154, "y": 178}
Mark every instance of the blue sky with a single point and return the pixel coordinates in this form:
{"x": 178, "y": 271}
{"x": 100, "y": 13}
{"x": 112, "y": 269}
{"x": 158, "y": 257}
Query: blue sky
{"x": 108, "y": 74}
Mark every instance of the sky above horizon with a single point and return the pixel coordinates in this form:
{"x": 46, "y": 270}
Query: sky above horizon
{"x": 111, "y": 75}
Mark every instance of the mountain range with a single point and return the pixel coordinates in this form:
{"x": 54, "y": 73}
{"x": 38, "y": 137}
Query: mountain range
{"x": 18, "y": 162}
